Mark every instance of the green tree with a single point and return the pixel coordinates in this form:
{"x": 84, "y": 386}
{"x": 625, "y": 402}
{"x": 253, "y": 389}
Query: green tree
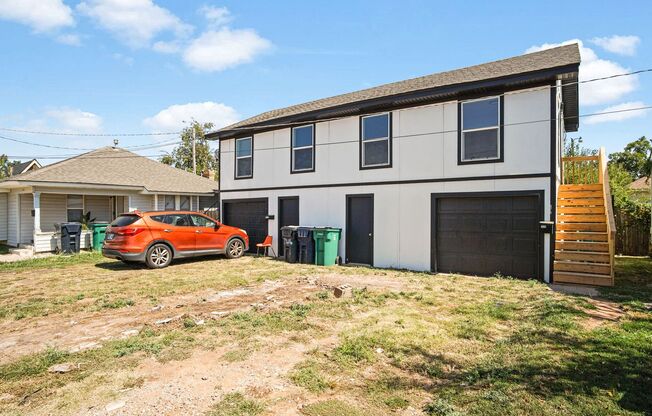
{"x": 636, "y": 158}
{"x": 181, "y": 156}
{"x": 6, "y": 165}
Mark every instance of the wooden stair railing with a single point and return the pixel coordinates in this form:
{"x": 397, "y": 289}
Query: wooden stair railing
{"x": 585, "y": 235}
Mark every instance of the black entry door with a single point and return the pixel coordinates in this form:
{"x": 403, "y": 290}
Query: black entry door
{"x": 288, "y": 214}
{"x": 250, "y": 215}
{"x": 360, "y": 229}
{"x": 487, "y": 234}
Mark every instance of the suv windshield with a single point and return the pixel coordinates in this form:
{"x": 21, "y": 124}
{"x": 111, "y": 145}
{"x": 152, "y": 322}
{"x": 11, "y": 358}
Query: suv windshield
{"x": 124, "y": 220}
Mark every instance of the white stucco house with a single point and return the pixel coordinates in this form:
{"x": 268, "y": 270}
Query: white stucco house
{"x": 105, "y": 182}
{"x": 447, "y": 172}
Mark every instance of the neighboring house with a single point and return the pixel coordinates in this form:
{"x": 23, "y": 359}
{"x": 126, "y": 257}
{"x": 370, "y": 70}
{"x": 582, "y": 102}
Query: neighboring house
{"x": 105, "y": 182}
{"x": 25, "y": 167}
{"x": 641, "y": 189}
{"x": 447, "y": 172}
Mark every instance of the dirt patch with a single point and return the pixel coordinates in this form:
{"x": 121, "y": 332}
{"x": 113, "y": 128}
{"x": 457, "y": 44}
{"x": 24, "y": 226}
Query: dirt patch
{"x": 89, "y": 329}
{"x": 603, "y": 312}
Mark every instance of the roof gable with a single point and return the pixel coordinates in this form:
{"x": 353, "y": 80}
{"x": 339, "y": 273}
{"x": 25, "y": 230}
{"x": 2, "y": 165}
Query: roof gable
{"x": 563, "y": 59}
{"x": 119, "y": 167}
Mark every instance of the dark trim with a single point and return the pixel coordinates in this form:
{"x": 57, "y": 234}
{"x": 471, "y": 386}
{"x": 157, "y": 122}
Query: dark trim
{"x": 280, "y": 213}
{"x": 314, "y": 149}
{"x": 553, "y": 178}
{"x": 390, "y": 141}
{"x": 235, "y": 157}
{"x": 373, "y": 224}
{"x": 501, "y": 133}
{"x": 433, "y": 217}
{"x": 397, "y": 182}
{"x": 219, "y": 180}
{"x": 410, "y": 99}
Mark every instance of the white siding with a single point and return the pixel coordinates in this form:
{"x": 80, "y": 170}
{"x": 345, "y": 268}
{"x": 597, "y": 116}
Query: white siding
{"x": 53, "y": 211}
{"x": 12, "y": 221}
{"x": 402, "y": 213}
{"x": 424, "y": 147}
{"x": 141, "y": 202}
{"x": 26, "y": 219}
{"x": 3, "y": 217}
{"x": 99, "y": 206}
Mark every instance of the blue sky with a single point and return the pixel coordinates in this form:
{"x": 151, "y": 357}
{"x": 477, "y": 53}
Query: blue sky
{"x": 114, "y": 66}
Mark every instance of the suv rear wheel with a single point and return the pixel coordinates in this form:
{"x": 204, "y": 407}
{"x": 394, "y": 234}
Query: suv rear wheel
{"x": 235, "y": 248}
{"x": 158, "y": 256}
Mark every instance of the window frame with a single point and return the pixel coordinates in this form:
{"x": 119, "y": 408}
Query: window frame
{"x": 500, "y": 139}
{"x": 165, "y": 202}
{"x": 313, "y": 148}
{"x": 181, "y": 197}
{"x": 68, "y": 209}
{"x": 389, "y": 139}
{"x": 235, "y": 157}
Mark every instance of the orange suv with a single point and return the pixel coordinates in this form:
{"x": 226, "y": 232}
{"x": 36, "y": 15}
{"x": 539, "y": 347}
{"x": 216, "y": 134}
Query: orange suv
{"x": 157, "y": 237}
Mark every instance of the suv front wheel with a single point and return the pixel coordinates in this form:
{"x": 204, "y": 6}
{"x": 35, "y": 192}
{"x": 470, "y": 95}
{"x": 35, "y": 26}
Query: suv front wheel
{"x": 158, "y": 256}
{"x": 235, "y": 248}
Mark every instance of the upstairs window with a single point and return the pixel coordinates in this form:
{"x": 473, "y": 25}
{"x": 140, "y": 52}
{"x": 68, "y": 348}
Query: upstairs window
{"x": 375, "y": 141}
{"x": 244, "y": 159}
{"x": 480, "y": 132}
{"x": 303, "y": 149}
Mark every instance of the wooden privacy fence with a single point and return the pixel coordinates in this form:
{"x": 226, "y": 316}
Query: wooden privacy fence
{"x": 633, "y": 234}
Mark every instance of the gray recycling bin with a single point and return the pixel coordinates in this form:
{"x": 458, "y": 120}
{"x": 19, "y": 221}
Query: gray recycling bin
{"x": 306, "y": 245}
{"x": 70, "y": 237}
{"x": 290, "y": 243}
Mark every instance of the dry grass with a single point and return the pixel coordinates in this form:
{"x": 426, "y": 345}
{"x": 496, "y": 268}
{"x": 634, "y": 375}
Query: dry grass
{"x": 432, "y": 344}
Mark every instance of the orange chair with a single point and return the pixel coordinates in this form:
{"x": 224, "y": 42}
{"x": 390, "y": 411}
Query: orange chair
{"x": 265, "y": 245}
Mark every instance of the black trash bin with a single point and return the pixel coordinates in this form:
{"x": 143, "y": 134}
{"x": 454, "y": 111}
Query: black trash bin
{"x": 70, "y": 237}
{"x": 306, "y": 245}
{"x": 290, "y": 243}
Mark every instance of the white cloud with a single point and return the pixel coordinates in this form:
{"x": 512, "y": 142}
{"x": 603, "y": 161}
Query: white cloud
{"x": 40, "y": 15}
{"x": 135, "y": 22}
{"x": 597, "y": 92}
{"x": 621, "y": 45}
{"x": 74, "y": 120}
{"x": 225, "y": 48}
{"x": 127, "y": 60}
{"x": 167, "y": 47}
{"x": 172, "y": 118}
{"x": 618, "y": 116}
{"x": 216, "y": 16}
{"x": 69, "y": 39}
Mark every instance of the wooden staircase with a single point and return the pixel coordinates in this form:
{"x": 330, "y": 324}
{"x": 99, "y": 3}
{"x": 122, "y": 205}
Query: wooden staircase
{"x": 585, "y": 230}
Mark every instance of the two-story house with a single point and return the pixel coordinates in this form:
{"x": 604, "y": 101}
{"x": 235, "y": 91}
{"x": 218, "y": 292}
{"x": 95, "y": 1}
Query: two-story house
{"x": 450, "y": 172}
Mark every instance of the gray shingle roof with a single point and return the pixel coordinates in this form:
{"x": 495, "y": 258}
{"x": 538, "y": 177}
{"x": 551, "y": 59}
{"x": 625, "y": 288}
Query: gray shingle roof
{"x": 537, "y": 61}
{"x": 119, "y": 167}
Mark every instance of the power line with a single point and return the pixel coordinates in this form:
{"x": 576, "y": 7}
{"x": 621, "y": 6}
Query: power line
{"x": 51, "y": 133}
{"x": 520, "y": 123}
{"x": 56, "y": 133}
{"x": 135, "y": 147}
{"x": 267, "y": 126}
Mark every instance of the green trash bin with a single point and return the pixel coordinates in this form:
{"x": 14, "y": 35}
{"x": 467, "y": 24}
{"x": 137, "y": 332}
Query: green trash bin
{"x": 99, "y": 231}
{"x": 326, "y": 245}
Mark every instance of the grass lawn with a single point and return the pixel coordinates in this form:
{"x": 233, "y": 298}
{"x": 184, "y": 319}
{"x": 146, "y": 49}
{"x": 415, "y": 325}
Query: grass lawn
{"x": 441, "y": 345}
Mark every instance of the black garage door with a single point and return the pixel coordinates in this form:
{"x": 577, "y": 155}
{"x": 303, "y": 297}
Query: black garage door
{"x": 487, "y": 234}
{"x": 248, "y": 214}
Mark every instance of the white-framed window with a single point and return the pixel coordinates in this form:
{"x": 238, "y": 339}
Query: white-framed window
{"x": 375, "y": 141}
{"x": 75, "y": 208}
{"x": 184, "y": 203}
{"x": 244, "y": 157}
{"x": 303, "y": 149}
{"x": 480, "y": 130}
{"x": 169, "y": 203}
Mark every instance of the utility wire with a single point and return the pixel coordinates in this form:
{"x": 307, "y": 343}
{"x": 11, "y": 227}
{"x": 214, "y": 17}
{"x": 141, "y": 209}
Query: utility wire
{"x": 520, "y": 123}
{"x": 641, "y": 71}
{"x": 135, "y": 147}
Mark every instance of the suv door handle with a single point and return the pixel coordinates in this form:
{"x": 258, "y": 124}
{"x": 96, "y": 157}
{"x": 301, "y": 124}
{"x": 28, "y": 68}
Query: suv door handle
{"x": 198, "y": 231}
{"x": 167, "y": 230}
